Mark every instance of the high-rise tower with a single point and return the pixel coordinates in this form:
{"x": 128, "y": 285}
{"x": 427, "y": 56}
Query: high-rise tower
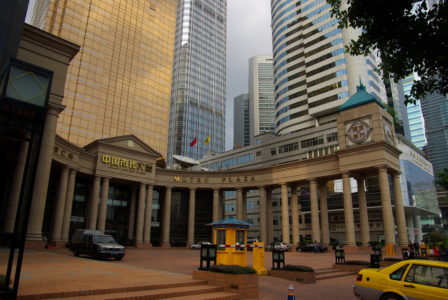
{"x": 261, "y": 95}
{"x": 312, "y": 74}
{"x": 197, "y": 115}
{"x": 241, "y": 121}
{"x": 415, "y": 116}
{"x": 119, "y": 83}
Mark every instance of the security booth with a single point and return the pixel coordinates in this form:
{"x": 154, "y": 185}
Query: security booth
{"x": 230, "y": 236}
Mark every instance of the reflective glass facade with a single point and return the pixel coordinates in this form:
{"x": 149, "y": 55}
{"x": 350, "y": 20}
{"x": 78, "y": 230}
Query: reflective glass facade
{"x": 199, "y": 75}
{"x": 312, "y": 74}
{"x": 415, "y": 116}
{"x": 261, "y": 95}
{"x": 119, "y": 83}
{"x": 241, "y": 121}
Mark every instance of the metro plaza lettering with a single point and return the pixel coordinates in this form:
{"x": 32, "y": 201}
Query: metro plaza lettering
{"x": 207, "y": 180}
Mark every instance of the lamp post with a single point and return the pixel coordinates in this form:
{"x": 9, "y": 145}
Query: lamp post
{"x": 24, "y": 94}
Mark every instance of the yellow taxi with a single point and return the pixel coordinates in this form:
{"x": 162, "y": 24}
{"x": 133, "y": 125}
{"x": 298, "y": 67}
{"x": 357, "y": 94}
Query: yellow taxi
{"x": 405, "y": 280}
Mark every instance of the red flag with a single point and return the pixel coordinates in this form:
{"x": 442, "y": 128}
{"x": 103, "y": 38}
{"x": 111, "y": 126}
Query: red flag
{"x": 193, "y": 142}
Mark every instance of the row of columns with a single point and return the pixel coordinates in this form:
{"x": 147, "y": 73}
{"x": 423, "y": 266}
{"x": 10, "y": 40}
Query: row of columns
{"x": 191, "y": 214}
{"x": 319, "y": 220}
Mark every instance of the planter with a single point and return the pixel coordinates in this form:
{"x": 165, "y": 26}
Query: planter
{"x": 349, "y": 268}
{"x": 304, "y": 277}
{"x": 244, "y": 284}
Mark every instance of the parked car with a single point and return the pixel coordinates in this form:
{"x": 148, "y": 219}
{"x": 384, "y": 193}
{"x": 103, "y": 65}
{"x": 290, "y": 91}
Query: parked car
{"x": 197, "y": 246}
{"x": 408, "y": 279}
{"x": 95, "y": 244}
{"x": 312, "y": 247}
{"x": 278, "y": 246}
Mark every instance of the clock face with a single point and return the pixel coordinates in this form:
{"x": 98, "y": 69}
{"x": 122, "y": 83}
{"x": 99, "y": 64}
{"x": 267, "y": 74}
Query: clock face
{"x": 388, "y": 132}
{"x": 358, "y": 132}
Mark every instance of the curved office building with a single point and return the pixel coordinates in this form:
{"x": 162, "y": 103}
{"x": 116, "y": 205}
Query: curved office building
{"x": 312, "y": 73}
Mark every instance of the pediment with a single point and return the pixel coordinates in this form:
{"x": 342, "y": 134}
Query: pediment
{"x": 125, "y": 143}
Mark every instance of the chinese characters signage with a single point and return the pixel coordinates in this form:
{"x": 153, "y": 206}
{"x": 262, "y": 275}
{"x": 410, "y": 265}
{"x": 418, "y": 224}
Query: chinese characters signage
{"x": 120, "y": 163}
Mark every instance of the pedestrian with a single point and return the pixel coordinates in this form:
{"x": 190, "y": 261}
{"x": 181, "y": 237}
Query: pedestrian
{"x": 436, "y": 253}
{"x": 316, "y": 247}
{"x": 416, "y": 248}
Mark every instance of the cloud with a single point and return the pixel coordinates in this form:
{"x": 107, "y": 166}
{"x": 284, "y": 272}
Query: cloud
{"x": 248, "y": 34}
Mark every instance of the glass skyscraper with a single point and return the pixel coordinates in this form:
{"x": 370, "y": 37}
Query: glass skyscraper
{"x": 313, "y": 75}
{"x": 119, "y": 83}
{"x": 197, "y": 115}
{"x": 261, "y": 95}
{"x": 415, "y": 116}
{"x": 241, "y": 121}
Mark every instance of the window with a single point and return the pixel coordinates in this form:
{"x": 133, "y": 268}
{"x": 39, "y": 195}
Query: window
{"x": 428, "y": 275}
{"x": 258, "y": 153}
{"x": 398, "y": 273}
{"x": 288, "y": 147}
{"x": 240, "y": 239}
{"x": 273, "y": 151}
{"x": 221, "y": 239}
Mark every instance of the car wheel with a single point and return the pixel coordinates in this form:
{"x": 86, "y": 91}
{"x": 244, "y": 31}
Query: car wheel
{"x": 119, "y": 257}
{"x": 390, "y": 296}
{"x": 76, "y": 252}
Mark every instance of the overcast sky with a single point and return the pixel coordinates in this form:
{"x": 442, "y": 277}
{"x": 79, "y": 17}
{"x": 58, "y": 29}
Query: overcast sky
{"x": 248, "y": 34}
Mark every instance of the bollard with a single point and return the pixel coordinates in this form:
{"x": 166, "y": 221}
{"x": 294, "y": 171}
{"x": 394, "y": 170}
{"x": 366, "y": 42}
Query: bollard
{"x": 291, "y": 293}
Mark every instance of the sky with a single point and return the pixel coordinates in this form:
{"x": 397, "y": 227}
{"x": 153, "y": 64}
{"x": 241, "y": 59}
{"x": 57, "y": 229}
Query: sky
{"x": 248, "y": 34}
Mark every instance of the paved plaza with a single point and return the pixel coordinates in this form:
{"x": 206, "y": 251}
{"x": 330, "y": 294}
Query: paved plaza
{"x": 57, "y": 270}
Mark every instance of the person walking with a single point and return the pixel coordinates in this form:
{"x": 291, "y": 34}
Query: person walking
{"x": 416, "y": 248}
{"x": 436, "y": 253}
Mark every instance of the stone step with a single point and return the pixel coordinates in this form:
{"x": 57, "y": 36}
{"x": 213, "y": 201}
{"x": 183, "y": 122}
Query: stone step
{"x": 77, "y": 294}
{"x": 210, "y": 296}
{"x": 338, "y": 273}
{"x": 185, "y": 292}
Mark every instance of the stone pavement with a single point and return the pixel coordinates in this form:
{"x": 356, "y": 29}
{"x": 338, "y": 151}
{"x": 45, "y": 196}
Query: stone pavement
{"x": 56, "y": 270}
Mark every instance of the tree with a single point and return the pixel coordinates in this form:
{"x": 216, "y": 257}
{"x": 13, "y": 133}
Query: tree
{"x": 409, "y": 37}
{"x": 442, "y": 178}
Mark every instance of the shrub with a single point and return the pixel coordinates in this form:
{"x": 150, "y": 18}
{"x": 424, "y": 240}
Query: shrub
{"x": 396, "y": 259}
{"x": 298, "y": 268}
{"x": 232, "y": 269}
{"x": 357, "y": 262}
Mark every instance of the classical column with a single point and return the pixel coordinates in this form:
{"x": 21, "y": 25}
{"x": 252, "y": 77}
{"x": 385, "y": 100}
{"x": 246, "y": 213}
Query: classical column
{"x": 269, "y": 217}
{"x": 16, "y": 186}
{"x": 315, "y": 226}
{"x": 295, "y": 215}
{"x": 68, "y": 205}
{"x": 148, "y": 215}
{"x": 244, "y": 206}
{"x": 263, "y": 227}
{"x": 216, "y": 207}
{"x": 140, "y": 214}
{"x": 410, "y": 224}
{"x": 131, "y": 224}
{"x": 166, "y": 218}
{"x": 58, "y": 213}
{"x": 239, "y": 204}
{"x": 93, "y": 203}
{"x": 191, "y": 216}
{"x": 102, "y": 214}
{"x": 399, "y": 212}
{"x": 40, "y": 189}
{"x": 285, "y": 214}
{"x": 418, "y": 226}
{"x": 325, "y": 227}
{"x": 348, "y": 211}
{"x": 363, "y": 214}
{"x": 386, "y": 207}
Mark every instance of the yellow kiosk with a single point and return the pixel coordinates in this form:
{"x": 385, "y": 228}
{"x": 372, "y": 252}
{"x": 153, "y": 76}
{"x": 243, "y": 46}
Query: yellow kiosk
{"x": 230, "y": 236}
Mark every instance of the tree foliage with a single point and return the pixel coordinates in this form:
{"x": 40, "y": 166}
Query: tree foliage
{"x": 409, "y": 37}
{"x": 442, "y": 178}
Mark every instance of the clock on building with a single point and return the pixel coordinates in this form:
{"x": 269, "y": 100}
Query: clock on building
{"x": 358, "y": 132}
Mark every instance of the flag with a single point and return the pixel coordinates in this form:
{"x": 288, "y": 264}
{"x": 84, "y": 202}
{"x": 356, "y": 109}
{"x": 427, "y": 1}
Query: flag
{"x": 207, "y": 140}
{"x": 193, "y": 142}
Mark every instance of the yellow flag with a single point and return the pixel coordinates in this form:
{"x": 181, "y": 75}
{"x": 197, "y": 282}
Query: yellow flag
{"x": 207, "y": 140}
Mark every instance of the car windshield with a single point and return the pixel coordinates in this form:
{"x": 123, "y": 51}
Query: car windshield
{"x": 104, "y": 239}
